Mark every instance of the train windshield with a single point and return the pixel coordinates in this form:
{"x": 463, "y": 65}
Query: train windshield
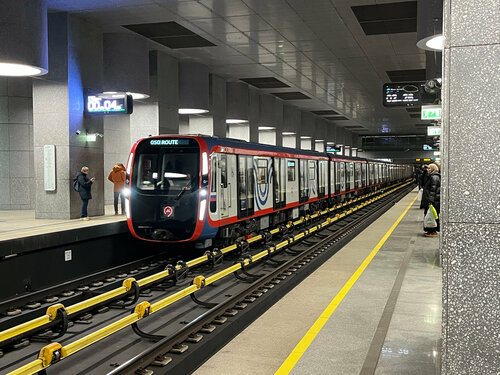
{"x": 169, "y": 172}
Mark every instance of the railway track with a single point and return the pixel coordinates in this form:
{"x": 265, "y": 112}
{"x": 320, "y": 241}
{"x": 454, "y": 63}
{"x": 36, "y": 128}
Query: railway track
{"x": 263, "y": 274}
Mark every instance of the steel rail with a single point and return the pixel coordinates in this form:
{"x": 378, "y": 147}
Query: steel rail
{"x": 54, "y": 352}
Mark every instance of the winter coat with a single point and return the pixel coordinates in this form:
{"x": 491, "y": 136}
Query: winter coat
{"x": 85, "y": 185}
{"x": 432, "y": 191}
{"x": 117, "y": 176}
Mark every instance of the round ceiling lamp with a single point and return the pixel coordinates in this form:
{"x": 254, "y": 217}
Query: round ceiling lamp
{"x": 23, "y": 40}
{"x": 235, "y": 121}
{"x": 192, "y": 111}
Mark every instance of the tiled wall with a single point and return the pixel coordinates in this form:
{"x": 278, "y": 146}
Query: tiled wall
{"x": 16, "y": 144}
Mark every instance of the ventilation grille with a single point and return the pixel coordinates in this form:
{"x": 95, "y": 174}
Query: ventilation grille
{"x": 170, "y": 34}
{"x": 406, "y": 75}
{"x": 290, "y": 95}
{"x": 265, "y": 82}
{"x": 328, "y": 112}
{"x": 391, "y": 18}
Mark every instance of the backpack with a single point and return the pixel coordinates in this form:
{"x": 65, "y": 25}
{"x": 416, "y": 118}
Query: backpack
{"x": 76, "y": 184}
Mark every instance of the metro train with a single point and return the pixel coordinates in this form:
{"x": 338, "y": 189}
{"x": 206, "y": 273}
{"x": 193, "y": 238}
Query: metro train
{"x": 212, "y": 191}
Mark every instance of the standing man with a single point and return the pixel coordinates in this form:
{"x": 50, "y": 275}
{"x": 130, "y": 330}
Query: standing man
{"x": 118, "y": 176}
{"x": 84, "y": 186}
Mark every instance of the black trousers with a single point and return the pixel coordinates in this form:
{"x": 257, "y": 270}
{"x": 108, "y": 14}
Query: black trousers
{"x": 430, "y": 230}
{"x": 122, "y": 201}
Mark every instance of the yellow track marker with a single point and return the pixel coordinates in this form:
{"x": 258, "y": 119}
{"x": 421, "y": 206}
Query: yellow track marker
{"x": 302, "y": 346}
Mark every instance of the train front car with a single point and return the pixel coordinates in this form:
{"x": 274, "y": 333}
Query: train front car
{"x": 168, "y": 178}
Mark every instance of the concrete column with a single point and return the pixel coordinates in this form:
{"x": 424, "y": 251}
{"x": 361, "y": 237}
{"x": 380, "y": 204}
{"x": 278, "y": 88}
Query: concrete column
{"x": 291, "y": 126}
{"x": 254, "y": 115}
{"x": 17, "y": 180}
{"x": 218, "y": 105}
{"x": 307, "y": 130}
{"x": 164, "y": 70}
{"x": 278, "y": 121}
{"x": 75, "y": 63}
{"x": 470, "y": 197}
{"x": 237, "y": 108}
{"x": 340, "y": 138}
{"x": 201, "y": 125}
{"x": 320, "y": 135}
{"x": 267, "y": 121}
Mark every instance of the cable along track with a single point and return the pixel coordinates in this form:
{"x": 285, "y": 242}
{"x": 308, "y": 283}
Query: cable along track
{"x": 257, "y": 272}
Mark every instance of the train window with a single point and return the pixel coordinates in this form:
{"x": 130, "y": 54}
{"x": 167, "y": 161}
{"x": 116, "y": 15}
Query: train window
{"x": 322, "y": 177}
{"x": 312, "y": 170}
{"x": 291, "y": 170}
{"x": 363, "y": 174}
{"x": 223, "y": 170}
{"x": 357, "y": 175}
{"x": 262, "y": 175}
{"x": 169, "y": 173}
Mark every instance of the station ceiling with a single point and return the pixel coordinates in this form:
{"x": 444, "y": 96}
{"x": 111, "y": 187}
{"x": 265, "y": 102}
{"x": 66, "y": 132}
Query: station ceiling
{"x": 319, "y": 55}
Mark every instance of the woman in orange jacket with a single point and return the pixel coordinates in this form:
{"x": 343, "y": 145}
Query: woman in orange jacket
{"x": 117, "y": 176}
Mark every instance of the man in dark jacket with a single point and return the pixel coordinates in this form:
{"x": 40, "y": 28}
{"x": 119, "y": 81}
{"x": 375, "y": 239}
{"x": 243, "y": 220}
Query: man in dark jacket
{"x": 432, "y": 195}
{"x": 423, "y": 179}
{"x": 84, "y": 186}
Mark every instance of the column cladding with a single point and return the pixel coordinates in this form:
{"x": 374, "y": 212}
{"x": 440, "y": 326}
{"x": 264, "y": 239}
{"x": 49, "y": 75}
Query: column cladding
{"x": 470, "y": 188}
{"x": 75, "y": 63}
{"x": 17, "y": 182}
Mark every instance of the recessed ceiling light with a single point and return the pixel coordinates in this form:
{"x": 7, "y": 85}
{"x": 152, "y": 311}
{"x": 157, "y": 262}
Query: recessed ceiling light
{"x": 266, "y": 128}
{"x": 192, "y": 111}
{"x": 137, "y": 95}
{"x": 330, "y": 143}
{"x": 235, "y": 121}
{"x": 319, "y": 140}
{"x": 288, "y": 133}
{"x": 20, "y": 70}
{"x": 305, "y": 137}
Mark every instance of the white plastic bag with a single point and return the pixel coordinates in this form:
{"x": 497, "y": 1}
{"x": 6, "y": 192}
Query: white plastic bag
{"x": 429, "y": 221}
{"x": 420, "y": 194}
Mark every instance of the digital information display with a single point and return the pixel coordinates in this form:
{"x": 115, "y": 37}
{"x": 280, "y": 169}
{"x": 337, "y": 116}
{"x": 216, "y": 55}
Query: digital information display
{"x": 108, "y": 104}
{"x": 402, "y": 94}
{"x": 169, "y": 142}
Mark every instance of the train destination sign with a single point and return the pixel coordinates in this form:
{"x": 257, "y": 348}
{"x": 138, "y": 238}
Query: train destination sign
{"x": 169, "y": 142}
{"x": 401, "y": 94}
{"x": 108, "y": 104}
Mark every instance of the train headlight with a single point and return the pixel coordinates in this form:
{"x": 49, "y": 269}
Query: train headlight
{"x": 126, "y": 192}
{"x": 203, "y": 208}
{"x": 203, "y": 193}
{"x": 204, "y": 163}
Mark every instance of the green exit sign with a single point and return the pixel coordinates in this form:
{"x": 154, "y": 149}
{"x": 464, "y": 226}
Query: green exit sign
{"x": 431, "y": 112}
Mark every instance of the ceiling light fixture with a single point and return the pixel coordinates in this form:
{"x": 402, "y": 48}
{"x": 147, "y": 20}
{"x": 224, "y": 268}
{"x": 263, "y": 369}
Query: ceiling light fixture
{"x": 266, "y": 128}
{"x": 192, "y": 111}
{"x": 135, "y": 95}
{"x": 305, "y": 137}
{"x": 20, "y": 70}
{"x": 289, "y": 133}
{"x": 235, "y": 121}
{"x": 436, "y": 43}
{"x": 319, "y": 140}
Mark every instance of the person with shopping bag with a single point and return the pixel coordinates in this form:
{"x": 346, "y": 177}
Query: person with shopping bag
{"x": 431, "y": 201}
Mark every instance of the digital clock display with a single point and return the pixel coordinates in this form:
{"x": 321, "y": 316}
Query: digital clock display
{"x": 402, "y": 94}
{"x": 108, "y": 104}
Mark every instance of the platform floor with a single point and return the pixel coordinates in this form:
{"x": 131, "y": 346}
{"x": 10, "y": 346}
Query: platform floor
{"x": 388, "y": 322}
{"x": 22, "y": 223}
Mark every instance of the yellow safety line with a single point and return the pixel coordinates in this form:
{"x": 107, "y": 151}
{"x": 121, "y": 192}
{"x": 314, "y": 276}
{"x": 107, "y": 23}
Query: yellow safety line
{"x": 301, "y": 347}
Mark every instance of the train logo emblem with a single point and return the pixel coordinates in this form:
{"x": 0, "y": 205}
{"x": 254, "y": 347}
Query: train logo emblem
{"x": 168, "y": 211}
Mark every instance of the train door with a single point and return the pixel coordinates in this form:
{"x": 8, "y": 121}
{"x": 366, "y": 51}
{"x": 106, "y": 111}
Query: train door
{"x": 303, "y": 181}
{"x": 349, "y": 176}
{"x": 332, "y": 177}
{"x": 312, "y": 177}
{"x": 263, "y": 183}
{"x": 214, "y": 187}
{"x": 224, "y": 198}
{"x": 279, "y": 182}
{"x": 292, "y": 181}
{"x": 323, "y": 177}
{"x": 363, "y": 175}
{"x": 341, "y": 176}
{"x": 246, "y": 185}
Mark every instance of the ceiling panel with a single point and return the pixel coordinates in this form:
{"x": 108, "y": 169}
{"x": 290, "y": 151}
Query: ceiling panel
{"x": 227, "y": 8}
